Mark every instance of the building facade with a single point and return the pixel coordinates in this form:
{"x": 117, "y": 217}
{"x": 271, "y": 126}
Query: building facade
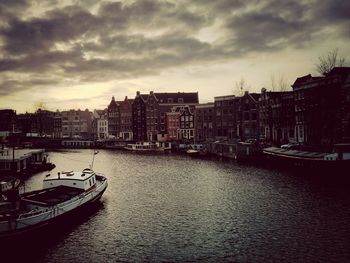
{"x": 113, "y": 113}
{"x": 173, "y": 124}
{"x": 139, "y": 118}
{"x": 205, "y": 122}
{"x": 100, "y": 124}
{"x": 276, "y": 116}
{"x": 225, "y": 117}
{"x": 152, "y": 116}
{"x": 248, "y": 116}
{"x": 321, "y": 104}
{"x": 186, "y": 132}
{"x": 126, "y": 119}
{"x": 169, "y": 100}
{"x": 77, "y": 124}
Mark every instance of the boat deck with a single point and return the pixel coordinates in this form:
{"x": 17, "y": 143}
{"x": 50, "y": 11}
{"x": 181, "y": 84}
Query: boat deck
{"x": 51, "y": 196}
{"x": 294, "y": 153}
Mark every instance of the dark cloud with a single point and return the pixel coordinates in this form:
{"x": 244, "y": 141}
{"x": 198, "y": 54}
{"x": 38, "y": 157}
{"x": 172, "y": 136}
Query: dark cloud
{"x": 264, "y": 31}
{"x": 40, "y": 34}
{"x": 92, "y": 41}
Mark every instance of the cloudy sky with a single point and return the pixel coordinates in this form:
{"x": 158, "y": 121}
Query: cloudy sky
{"x": 78, "y": 54}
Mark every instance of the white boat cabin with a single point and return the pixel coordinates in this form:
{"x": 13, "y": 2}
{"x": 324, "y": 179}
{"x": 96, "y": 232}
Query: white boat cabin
{"x": 84, "y": 180}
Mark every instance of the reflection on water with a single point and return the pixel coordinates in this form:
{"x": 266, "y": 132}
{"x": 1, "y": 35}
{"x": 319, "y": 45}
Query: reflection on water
{"x": 172, "y": 208}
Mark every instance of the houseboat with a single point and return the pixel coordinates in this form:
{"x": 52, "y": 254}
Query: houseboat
{"x": 337, "y": 161}
{"x": 148, "y": 146}
{"x": 61, "y": 194}
{"x": 14, "y": 161}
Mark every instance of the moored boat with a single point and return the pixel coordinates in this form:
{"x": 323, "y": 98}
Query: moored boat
{"x": 338, "y": 161}
{"x": 148, "y": 146}
{"x": 61, "y": 194}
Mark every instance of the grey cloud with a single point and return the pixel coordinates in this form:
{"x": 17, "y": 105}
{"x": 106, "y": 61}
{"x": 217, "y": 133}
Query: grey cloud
{"x": 122, "y": 40}
{"x": 264, "y": 31}
{"x": 40, "y": 34}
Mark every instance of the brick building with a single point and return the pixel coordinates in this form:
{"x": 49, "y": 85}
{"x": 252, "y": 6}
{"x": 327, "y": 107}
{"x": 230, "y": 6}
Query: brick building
{"x": 247, "y": 112}
{"x": 77, "y": 124}
{"x": 125, "y": 107}
{"x": 204, "y": 122}
{"x": 225, "y": 117}
{"x": 321, "y": 104}
{"x": 139, "y": 118}
{"x": 276, "y": 116}
{"x": 113, "y": 113}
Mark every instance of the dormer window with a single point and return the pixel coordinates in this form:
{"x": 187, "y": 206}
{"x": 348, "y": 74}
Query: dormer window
{"x": 170, "y": 100}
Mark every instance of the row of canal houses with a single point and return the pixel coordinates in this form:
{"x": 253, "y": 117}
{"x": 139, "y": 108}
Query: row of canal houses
{"x": 316, "y": 113}
{"x": 148, "y": 117}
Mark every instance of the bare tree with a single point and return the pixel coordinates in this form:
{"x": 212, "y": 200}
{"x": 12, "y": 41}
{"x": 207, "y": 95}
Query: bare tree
{"x": 240, "y": 87}
{"x": 279, "y": 82}
{"x": 329, "y": 61}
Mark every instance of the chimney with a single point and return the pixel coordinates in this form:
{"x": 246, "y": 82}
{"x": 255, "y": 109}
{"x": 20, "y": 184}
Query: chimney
{"x": 151, "y": 92}
{"x": 137, "y": 93}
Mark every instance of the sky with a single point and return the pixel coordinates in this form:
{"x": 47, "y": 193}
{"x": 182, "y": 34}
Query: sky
{"x": 78, "y": 54}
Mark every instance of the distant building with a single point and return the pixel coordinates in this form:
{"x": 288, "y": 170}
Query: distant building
{"x": 26, "y": 123}
{"x": 152, "y": 116}
{"x": 173, "y": 124}
{"x": 57, "y": 125}
{"x": 126, "y": 119}
{"x": 139, "y": 118}
{"x": 44, "y": 122}
{"x": 150, "y": 113}
{"x": 205, "y": 122}
{"x": 225, "y": 127}
{"x": 248, "y": 116}
{"x": 77, "y": 124}
{"x": 7, "y": 120}
{"x": 113, "y": 118}
{"x": 322, "y": 109}
{"x": 276, "y": 116}
{"x": 169, "y": 100}
{"x": 186, "y": 133}
{"x": 100, "y": 124}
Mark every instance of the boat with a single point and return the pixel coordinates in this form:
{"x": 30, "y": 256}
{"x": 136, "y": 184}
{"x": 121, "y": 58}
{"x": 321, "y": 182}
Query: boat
{"x": 61, "y": 194}
{"x": 196, "y": 150}
{"x": 193, "y": 152}
{"x": 337, "y": 161}
{"x": 148, "y": 146}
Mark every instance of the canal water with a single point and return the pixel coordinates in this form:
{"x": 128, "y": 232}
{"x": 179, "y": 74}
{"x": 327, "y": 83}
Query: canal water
{"x": 171, "y": 208}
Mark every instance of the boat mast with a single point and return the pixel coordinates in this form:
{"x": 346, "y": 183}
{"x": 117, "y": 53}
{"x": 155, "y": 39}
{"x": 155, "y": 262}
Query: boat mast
{"x": 93, "y": 158}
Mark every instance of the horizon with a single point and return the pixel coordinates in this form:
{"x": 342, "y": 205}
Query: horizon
{"x": 72, "y": 54}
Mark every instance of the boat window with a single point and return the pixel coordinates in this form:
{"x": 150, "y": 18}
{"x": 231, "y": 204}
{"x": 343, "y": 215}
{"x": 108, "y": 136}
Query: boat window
{"x": 90, "y": 182}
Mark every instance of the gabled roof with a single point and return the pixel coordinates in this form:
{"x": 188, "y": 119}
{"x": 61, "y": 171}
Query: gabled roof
{"x": 305, "y": 79}
{"x": 113, "y": 103}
